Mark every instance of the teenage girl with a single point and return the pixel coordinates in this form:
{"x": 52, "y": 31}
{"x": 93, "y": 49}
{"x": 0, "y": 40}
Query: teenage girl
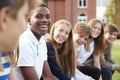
{"x": 81, "y": 35}
{"x": 61, "y": 55}
{"x": 96, "y": 47}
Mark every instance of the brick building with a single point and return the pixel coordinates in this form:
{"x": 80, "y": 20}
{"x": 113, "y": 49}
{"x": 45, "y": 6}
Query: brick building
{"x": 72, "y": 10}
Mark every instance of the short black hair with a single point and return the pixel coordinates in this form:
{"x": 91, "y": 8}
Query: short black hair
{"x": 43, "y": 5}
{"x": 32, "y": 10}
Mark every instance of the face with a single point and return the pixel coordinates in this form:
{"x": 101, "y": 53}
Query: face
{"x": 13, "y": 28}
{"x": 96, "y": 30}
{"x": 61, "y": 33}
{"x": 79, "y": 39}
{"x": 110, "y": 37}
{"x": 40, "y": 20}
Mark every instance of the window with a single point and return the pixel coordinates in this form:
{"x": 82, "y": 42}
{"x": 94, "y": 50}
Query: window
{"x": 82, "y": 17}
{"x": 82, "y": 3}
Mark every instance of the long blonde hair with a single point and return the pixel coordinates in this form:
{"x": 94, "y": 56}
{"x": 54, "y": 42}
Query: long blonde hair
{"x": 65, "y": 54}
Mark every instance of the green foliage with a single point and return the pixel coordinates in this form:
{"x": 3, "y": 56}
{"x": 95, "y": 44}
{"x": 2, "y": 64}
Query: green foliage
{"x": 116, "y": 58}
{"x": 45, "y": 1}
{"x": 112, "y": 10}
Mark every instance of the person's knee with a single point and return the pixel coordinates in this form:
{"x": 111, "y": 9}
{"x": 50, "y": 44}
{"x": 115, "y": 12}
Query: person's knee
{"x": 97, "y": 71}
{"x": 106, "y": 74}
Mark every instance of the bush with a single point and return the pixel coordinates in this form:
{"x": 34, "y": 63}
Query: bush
{"x": 118, "y": 37}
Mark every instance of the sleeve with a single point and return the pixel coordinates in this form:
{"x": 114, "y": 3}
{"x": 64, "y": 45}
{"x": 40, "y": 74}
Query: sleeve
{"x": 55, "y": 69}
{"x": 26, "y": 51}
{"x": 108, "y": 54}
{"x": 105, "y": 59}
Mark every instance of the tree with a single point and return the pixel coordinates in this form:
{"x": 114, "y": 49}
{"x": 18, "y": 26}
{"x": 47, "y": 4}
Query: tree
{"x": 45, "y": 1}
{"x": 113, "y": 12}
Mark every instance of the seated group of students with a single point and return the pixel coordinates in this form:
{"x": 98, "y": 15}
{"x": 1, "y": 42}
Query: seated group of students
{"x": 81, "y": 52}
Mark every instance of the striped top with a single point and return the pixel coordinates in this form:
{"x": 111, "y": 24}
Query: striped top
{"x": 6, "y": 65}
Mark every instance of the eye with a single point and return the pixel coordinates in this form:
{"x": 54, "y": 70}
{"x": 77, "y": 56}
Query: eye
{"x": 61, "y": 30}
{"x": 86, "y": 38}
{"x": 48, "y": 16}
{"x": 67, "y": 33}
{"x": 99, "y": 29}
{"x": 81, "y": 36}
{"x": 94, "y": 27}
{"x": 39, "y": 16}
{"x": 113, "y": 34}
{"x": 110, "y": 33}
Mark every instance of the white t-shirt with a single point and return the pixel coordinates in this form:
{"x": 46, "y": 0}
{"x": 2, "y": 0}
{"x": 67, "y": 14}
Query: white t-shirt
{"x": 32, "y": 52}
{"x": 82, "y": 54}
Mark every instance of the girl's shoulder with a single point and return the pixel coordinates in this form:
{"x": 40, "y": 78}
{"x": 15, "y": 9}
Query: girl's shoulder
{"x": 49, "y": 44}
{"x": 50, "y": 49}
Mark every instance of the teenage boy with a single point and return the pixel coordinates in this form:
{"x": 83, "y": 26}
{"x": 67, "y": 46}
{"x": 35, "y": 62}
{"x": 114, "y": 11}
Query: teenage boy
{"x": 108, "y": 66}
{"x": 33, "y": 51}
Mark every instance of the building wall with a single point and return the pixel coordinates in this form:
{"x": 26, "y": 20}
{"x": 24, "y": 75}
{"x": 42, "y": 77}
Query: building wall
{"x": 68, "y": 9}
{"x": 90, "y": 11}
{"x": 57, "y": 9}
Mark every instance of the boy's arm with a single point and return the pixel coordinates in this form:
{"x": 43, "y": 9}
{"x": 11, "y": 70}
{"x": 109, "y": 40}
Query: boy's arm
{"x": 106, "y": 59}
{"x": 118, "y": 68}
{"x": 107, "y": 53}
{"x": 29, "y": 73}
{"x": 47, "y": 75}
{"x": 13, "y": 75}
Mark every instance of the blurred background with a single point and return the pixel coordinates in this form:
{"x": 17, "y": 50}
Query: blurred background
{"x": 107, "y": 11}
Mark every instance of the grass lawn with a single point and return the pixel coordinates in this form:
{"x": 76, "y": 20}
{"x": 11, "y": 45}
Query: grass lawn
{"x": 116, "y": 57}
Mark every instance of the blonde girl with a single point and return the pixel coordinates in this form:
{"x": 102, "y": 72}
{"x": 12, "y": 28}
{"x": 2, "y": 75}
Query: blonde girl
{"x": 61, "y": 55}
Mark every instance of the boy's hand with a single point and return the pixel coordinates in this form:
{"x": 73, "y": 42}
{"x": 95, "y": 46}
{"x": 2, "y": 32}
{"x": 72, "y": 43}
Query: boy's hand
{"x": 118, "y": 68}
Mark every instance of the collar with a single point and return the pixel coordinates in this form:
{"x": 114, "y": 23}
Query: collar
{"x": 33, "y": 38}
